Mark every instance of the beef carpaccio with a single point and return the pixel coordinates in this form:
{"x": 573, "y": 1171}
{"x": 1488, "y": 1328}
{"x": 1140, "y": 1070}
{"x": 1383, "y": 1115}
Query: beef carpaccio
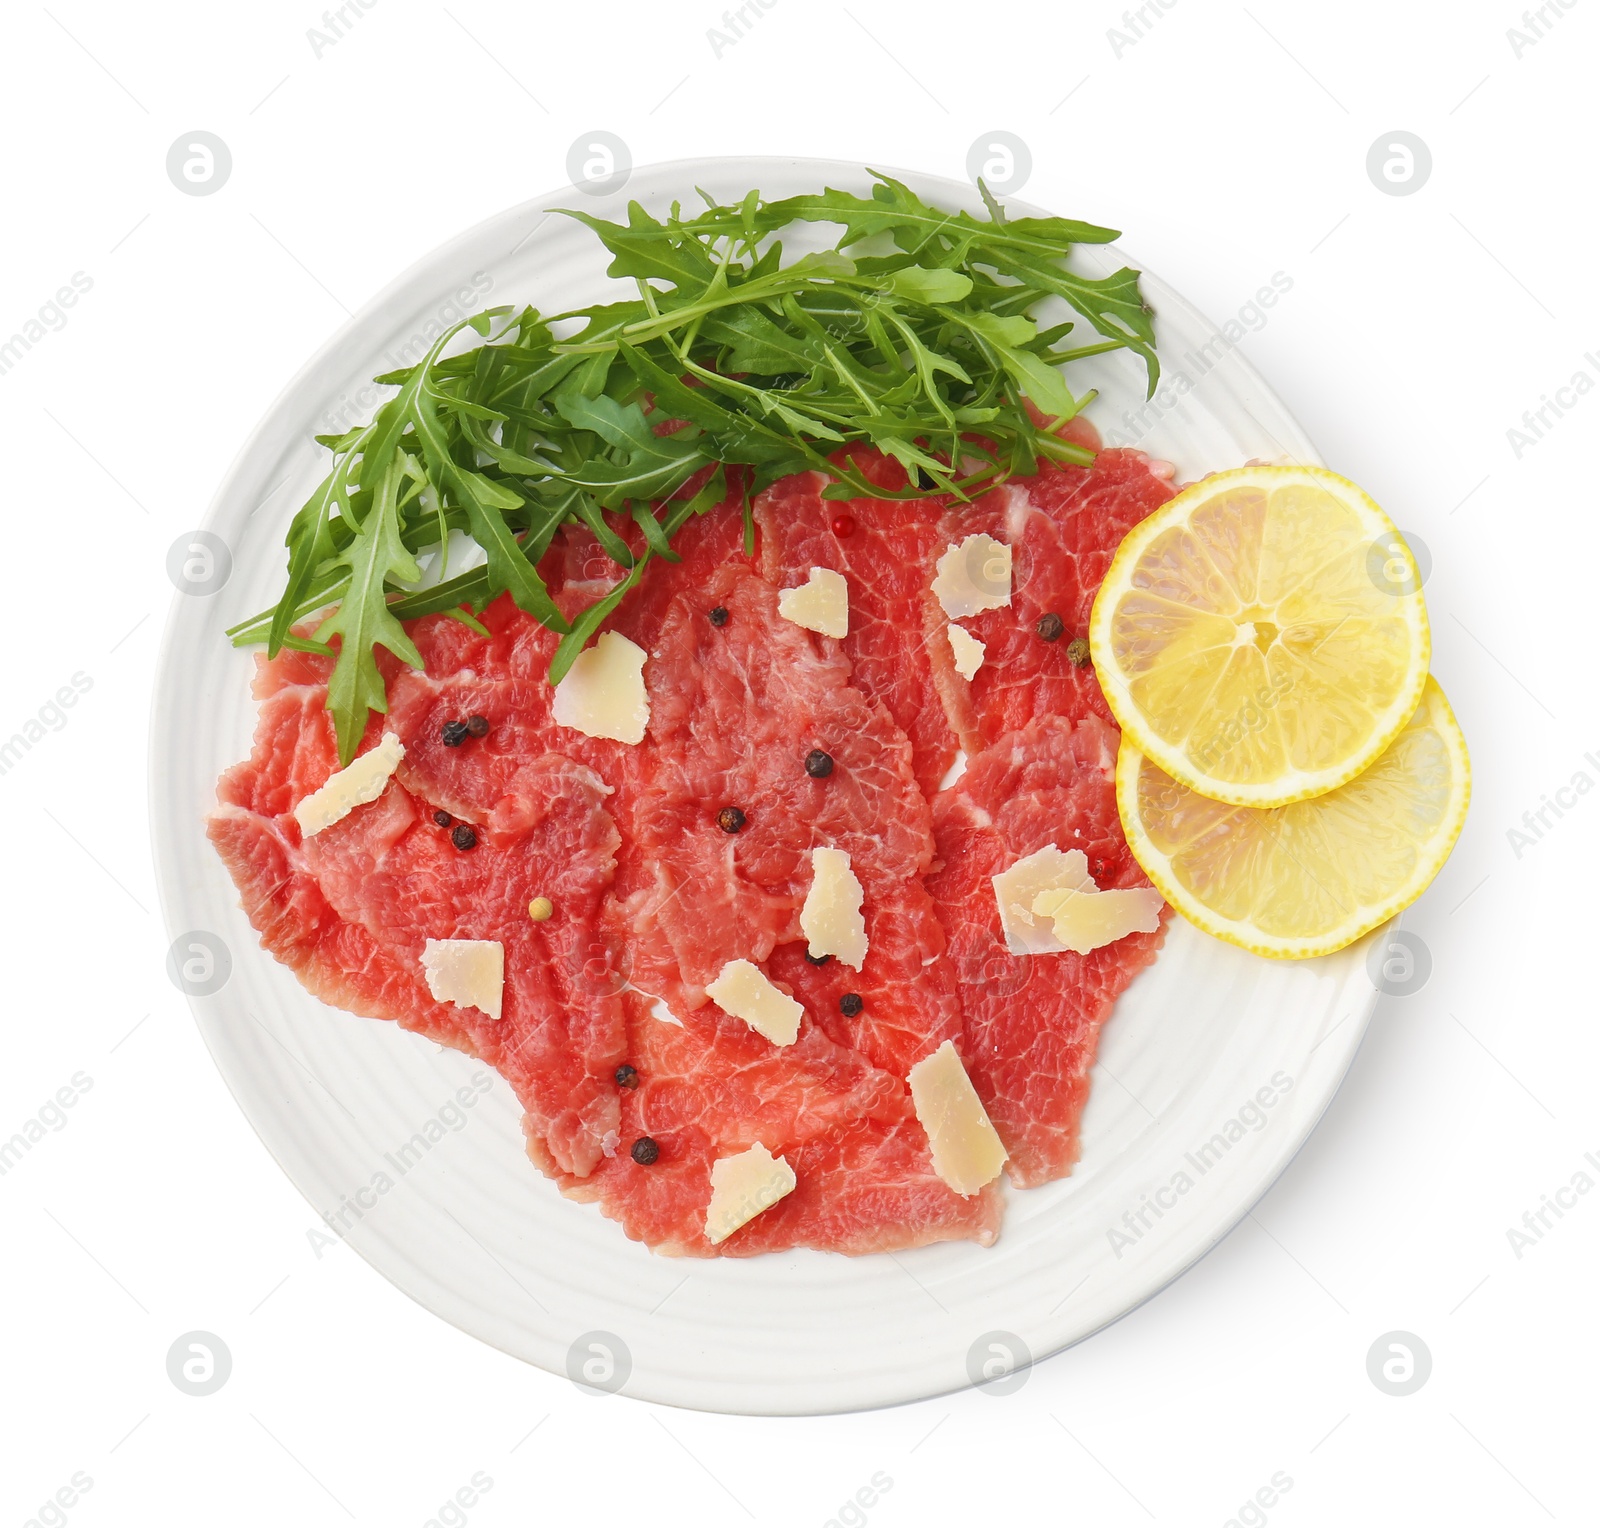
{"x": 607, "y": 872}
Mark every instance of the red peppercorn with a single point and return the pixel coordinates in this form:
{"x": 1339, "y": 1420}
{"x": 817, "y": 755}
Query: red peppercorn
{"x": 843, "y": 525}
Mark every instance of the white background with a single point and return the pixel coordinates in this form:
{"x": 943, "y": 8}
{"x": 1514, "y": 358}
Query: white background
{"x": 1228, "y": 144}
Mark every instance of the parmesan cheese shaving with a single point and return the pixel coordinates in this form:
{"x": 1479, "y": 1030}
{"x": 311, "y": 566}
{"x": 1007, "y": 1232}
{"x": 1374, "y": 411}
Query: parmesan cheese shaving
{"x": 831, "y": 917}
{"x": 470, "y": 973}
{"x": 820, "y": 604}
{"x": 603, "y": 693}
{"x": 742, "y": 989}
{"x": 966, "y": 1151}
{"x": 742, "y": 1187}
{"x": 1016, "y": 890}
{"x": 359, "y": 782}
{"x": 973, "y": 577}
{"x": 967, "y": 650}
{"x": 1049, "y": 902}
{"x": 1086, "y": 920}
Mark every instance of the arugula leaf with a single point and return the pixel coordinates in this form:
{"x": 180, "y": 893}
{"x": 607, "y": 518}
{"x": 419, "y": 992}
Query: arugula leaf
{"x": 929, "y": 349}
{"x": 929, "y": 286}
{"x": 1040, "y": 381}
{"x": 485, "y": 502}
{"x": 363, "y": 620}
{"x": 641, "y": 250}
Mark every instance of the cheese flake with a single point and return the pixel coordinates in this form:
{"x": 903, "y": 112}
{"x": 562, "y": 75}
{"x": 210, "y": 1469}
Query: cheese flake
{"x": 357, "y": 783}
{"x": 470, "y": 973}
{"x": 821, "y": 603}
{"x": 742, "y": 1187}
{"x": 1049, "y": 903}
{"x": 967, "y": 650}
{"x": 742, "y": 990}
{"x": 1016, "y": 890}
{"x": 603, "y": 693}
{"x": 831, "y": 915}
{"x": 1086, "y": 920}
{"x": 966, "y": 1151}
{"x": 973, "y": 576}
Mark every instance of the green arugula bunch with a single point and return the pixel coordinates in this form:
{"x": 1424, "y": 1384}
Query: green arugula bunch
{"x": 926, "y": 349}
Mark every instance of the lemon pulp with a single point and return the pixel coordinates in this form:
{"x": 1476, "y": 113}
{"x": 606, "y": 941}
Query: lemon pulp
{"x": 1262, "y": 637}
{"x": 1310, "y": 877}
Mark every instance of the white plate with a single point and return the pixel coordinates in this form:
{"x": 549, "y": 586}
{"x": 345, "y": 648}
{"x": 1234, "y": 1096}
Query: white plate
{"x": 469, "y": 1229}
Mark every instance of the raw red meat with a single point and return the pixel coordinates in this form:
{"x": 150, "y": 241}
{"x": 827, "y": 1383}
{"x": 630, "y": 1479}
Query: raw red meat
{"x": 712, "y": 1088}
{"x": 1063, "y": 527}
{"x": 885, "y": 548}
{"x": 759, "y": 663}
{"x": 734, "y": 710}
{"x": 389, "y": 872}
{"x": 338, "y": 962}
{"x": 910, "y": 1000}
{"x": 391, "y": 869}
{"x": 387, "y": 866}
{"x": 1033, "y": 1021}
{"x": 653, "y": 897}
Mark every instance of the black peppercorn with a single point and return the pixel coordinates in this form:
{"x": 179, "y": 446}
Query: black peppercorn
{"x": 478, "y": 726}
{"x": 453, "y": 734}
{"x": 645, "y": 1151}
{"x": 626, "y": 1077}
{"x": 1050, "y": 626}
{"x": 818, "y": 960}
{"x": 719, "y": 616}
{"x": 850, "y": 1004}
{"x": 819, "y": 765}
{"x": 731, "y": 820}
{"x": 463, "y": 837}
{"x": 443, "y": 818}
{"x": 1078, "y": 651}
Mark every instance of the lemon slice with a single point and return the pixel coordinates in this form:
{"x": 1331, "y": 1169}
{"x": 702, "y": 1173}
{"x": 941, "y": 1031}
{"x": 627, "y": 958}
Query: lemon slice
{"x": 1308, "y": 878}
{"x": 1262, "y": 637}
